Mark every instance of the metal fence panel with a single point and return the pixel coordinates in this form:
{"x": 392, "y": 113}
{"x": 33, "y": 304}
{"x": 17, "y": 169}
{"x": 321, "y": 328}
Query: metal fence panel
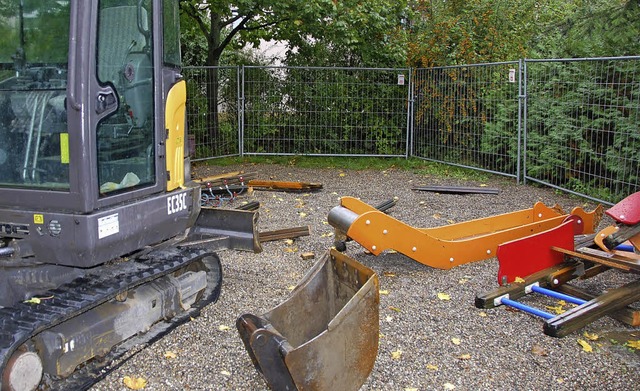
{"x": 468, "y": 116}
{"x": 571, "y": 124}
{"x": 325, "y": 111}
{"x": 213, "y": 111}
{"x": 582, "y": 131}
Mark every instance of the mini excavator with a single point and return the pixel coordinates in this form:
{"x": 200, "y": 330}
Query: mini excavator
{"x": 103, "y": 243}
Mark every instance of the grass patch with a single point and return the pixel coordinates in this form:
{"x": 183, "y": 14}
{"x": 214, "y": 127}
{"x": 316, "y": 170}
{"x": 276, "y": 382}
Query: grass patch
{"x": 418, "y": 166}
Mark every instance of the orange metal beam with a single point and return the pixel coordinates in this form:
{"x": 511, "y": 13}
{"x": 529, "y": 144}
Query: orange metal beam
{"x": 452, "y": 245}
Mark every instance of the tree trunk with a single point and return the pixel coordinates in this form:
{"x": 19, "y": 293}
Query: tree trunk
{"x": 213, "y": 61}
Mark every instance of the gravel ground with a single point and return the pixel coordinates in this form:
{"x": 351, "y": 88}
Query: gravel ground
{"x": 498, "y": 349}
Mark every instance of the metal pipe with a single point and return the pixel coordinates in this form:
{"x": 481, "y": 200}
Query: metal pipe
{"x": 526, "y": 308}
{"x": 341, "y": 218}
{"x": 557, "y": 295}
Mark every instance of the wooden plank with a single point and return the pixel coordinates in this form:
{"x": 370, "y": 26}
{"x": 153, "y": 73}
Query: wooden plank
{"x": 580, "y": 316}
{"x": 286, "y": 233}
{"x": 230, "y": 177}
{"x": 603, "y": 261}
{"x": 284, "y": 185}
{"x": 626, "y": 315}
{"x": 516, "y": 290}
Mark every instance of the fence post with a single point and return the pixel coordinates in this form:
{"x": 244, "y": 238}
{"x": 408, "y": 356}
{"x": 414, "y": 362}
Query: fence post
{"x": 241, "y": 102}
{"x": 521, "y": 103}
{"x": 409, "y": 142}
{"x": 522, "y": 155}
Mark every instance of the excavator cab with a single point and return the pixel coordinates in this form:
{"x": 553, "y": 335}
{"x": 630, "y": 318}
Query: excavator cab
{"x": 91, "y": 119}
{"x": 97, "y": 211}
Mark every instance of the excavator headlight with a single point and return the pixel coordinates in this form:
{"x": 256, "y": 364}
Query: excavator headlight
{"x": 55, "y": 228}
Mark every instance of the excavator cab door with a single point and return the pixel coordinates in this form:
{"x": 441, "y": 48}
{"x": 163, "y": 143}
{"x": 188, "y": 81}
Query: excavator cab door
{"x": 89, "y": 93}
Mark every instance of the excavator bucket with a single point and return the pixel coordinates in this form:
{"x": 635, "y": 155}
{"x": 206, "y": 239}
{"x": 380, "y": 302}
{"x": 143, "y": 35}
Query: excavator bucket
{"x": 325, "y": 335}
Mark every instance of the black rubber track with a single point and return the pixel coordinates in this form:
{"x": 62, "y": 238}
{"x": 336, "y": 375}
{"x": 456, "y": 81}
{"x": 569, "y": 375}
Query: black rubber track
{"x": 20, "y": 323}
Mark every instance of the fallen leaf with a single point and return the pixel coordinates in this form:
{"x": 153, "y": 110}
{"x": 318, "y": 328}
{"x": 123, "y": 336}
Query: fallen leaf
{"x": 444, "y": 296}
{"x": 291, "y": 250}
{"x": 389, "y": 318}
{"x": 437, "y": 216}
{"x": 169, "y": 354}
{"x": 483, "y": 185}
{"x": 462, "y": 281}
{"x": 585, "y": 345}
{"x": 384, "y": 292}
{"x": 289, "y": 241}
{"x": 342, "y": 174}
{"x": 591, "y": 337}
{"x": 539, "y": 351}
{"x": 432, "y": 367}
{"x": 519, "y": 280}
{"x": 633, "y": 344}
{"x": 388, "y": 274}
{"x": 449, "y": 386}
{"x": 134, "y": 384}
{"x": 302, "y": 214}
{"x": 225, "y": 373}
{"x": 482, "y": 314}
{"x": 456, "y": 341}
{"x": 556, "y": 309}
{"x": 291, "y": 287}
{"x": 464, "y": 356}
{"x": 396, "y": 355}
{"x": 396, "y": 309}
{"x": 37, "y": 300}
{"x": 410, "y": 389}
{"x": 223, "y": 327}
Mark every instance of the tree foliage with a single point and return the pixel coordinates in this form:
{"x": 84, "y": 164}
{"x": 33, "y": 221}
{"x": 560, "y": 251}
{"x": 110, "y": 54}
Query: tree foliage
{"x": 357, "y": 33}
{"x": 477, "y": 31}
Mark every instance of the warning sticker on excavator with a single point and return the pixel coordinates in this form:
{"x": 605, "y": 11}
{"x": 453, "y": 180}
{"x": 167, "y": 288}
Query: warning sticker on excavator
{"x": 108, "y": 226}
{"x": 38, "y": 219}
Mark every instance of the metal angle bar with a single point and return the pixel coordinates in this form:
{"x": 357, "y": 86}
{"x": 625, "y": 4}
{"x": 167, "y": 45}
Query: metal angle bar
{"x": 457, "y": 189}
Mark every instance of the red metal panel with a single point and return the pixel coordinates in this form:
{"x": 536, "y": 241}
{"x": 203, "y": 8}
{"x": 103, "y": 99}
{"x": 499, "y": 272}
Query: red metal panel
{"x": 523, "y": 257}
{"x": 627, "y": 211}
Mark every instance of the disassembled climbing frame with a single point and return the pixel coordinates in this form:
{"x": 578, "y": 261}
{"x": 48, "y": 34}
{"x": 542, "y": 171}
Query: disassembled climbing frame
{"x": 451, "y": 245}
{"x": 545, "y": 262}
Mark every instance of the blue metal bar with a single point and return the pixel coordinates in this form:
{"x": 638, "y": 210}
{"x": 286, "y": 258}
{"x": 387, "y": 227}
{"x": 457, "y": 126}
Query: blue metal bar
{"x": 558, "y": 295}
{"x": 526, "y": 308}
{"x": 625, "y": 247}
